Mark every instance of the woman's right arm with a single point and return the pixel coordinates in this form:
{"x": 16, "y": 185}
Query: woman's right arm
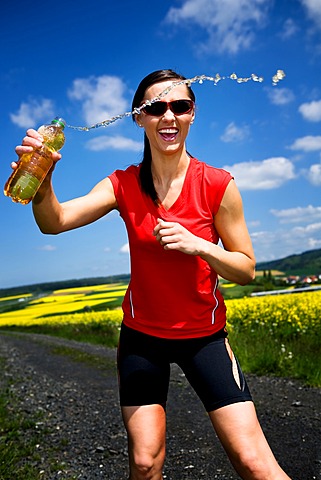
{"x": 54, "y": 217}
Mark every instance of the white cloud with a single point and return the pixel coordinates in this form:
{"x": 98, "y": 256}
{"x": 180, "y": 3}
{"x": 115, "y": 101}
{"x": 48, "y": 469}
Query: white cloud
{"x": 102, "y": 97}
{"x": 280, "y": 96}
{"x": 233, "y": 133}
{"x": 117, "y": 142}
{"x": 297, "y": 214}
{"x": 124, "y": 248}
{"x": 230, "y": 25}
{"x": 31, "y": 113}
{"x": 313, "y": 8}
{"x": 311, "y": 111}
{"x": 264, "y": 175}
{"x": 309, "y": 143}
{"x": 314, "y": 174}
{"x": 290, "y": 28}
{"x": 48, "y": 248}
{"x": 308, "y": 230}
{"x": 285, "y": 242}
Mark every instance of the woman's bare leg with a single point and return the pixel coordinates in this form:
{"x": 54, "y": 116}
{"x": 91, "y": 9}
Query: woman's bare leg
{"x": 146, "y": 430}
{"x": 240, "y": 433}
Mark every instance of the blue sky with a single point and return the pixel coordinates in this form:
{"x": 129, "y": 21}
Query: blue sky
{"x": 83, "y": 61}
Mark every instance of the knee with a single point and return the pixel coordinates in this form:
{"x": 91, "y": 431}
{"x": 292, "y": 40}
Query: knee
{"x": 252, "y": 465}
{"x": 147, "y": 466}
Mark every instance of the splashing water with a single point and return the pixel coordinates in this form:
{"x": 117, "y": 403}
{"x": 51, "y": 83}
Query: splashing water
{"x": 280, "y": 75}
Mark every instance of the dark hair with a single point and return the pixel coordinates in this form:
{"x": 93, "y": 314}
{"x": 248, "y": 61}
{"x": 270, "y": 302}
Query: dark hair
{"x": 145, "y": 174}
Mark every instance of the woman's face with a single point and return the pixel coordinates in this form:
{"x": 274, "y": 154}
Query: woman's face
{"x": 166, "y": 133}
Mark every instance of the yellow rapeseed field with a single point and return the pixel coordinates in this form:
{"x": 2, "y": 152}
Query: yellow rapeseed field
{"x": 292, "y": 313}
{"x": 59, "y": 306}
{"x": 295, "y": 313}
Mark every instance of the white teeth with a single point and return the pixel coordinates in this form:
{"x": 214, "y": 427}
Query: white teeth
{"x": 168, "y": 130}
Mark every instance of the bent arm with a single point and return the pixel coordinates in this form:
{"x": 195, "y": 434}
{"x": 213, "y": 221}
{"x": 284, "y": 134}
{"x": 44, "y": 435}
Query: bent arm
{"x": 236, "y": 262}
{"x": 53, "y": 217}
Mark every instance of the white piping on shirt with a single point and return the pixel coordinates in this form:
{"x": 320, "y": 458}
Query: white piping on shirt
{"x": 131, "y": 304}
{"x": 214, "y": 295}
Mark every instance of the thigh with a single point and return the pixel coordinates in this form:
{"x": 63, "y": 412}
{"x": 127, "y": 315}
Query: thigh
{"x": 146, "y": 429}
{"x": 241, "y": 435}
{"x": 237, "y": 426}
{"x": 143, "y": 370}
{"x": 215, "y": 374}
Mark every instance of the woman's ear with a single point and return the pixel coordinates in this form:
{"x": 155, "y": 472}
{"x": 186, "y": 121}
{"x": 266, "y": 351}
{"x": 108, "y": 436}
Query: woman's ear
{"x": 193, "y": 117}
{"x": 137, "y": 120}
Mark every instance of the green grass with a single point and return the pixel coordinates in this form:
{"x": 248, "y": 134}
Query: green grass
{"x": 18, "y": 439}
{"x": 261, "y": 353}
{"x": 97, "y": 333}
{"x": 21, "y": 432}
{"x": 89, "y": 359}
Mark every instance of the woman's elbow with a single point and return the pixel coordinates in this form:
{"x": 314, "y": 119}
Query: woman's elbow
{"x": 248, "y": 277}
{"x": 48, "y": 229}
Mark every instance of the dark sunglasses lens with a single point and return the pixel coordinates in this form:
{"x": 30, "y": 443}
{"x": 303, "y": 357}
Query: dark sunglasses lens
{"x": 179, "y": 107}
{"x": 157, "y": 109}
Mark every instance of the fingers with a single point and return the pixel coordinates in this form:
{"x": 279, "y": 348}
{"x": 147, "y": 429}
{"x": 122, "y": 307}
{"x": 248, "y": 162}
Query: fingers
{"x": 14, "y": 165}
{"x": 161, "y": 225}
{"x": 164, "y": 232}
{"x": 31, "y": 141}
{"x": 173, "y": 236}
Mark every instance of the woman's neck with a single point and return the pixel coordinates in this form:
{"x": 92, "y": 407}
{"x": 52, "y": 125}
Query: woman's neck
{"x": 168, "y": 177}
{"x": 166, "y": 168}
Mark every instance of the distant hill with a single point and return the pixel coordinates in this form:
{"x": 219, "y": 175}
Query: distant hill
{"x": 306, "y": 263}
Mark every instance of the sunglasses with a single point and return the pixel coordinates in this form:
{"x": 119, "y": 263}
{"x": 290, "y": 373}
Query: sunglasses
{"x": 178, "y": 107}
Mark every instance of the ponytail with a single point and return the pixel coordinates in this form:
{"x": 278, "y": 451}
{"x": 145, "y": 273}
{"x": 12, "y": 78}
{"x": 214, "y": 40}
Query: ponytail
{"x": 145, "y": 173}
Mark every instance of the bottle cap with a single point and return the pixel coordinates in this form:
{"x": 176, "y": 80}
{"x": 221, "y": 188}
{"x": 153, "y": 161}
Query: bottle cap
{"x": 60, "y": 121}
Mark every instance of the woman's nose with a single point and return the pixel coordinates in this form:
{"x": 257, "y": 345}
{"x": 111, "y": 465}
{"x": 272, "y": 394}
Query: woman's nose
{"x": 168, "y": 115}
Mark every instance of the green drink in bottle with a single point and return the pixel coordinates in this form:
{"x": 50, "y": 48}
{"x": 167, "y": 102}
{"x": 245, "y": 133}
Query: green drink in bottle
{"x": 24, "y": 182}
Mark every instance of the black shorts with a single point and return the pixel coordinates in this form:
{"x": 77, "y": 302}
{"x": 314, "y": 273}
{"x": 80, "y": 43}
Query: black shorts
{"x": 208, "y": 364}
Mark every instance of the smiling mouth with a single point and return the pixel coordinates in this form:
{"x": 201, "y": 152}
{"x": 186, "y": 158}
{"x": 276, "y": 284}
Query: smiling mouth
{"x": 168, "y": 134}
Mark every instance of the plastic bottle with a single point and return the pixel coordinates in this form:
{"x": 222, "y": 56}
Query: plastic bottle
{"x": 24, "y": 182}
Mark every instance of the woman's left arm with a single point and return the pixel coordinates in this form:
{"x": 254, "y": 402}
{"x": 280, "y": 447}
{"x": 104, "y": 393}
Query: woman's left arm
{"x": 236, "y": 262}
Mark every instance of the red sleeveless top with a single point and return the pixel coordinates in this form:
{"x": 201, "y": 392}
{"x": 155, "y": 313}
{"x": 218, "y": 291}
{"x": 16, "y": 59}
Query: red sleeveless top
{"x": 172, "y": 294}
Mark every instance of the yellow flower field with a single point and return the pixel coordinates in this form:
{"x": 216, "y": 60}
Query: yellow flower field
{"x": 59, "y": 306}
{"x": 292, "y": 313}
{"x": 295, "y": 313}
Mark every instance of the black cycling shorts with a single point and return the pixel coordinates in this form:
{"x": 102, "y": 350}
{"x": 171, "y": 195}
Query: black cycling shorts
{"x": 208, "y": 364}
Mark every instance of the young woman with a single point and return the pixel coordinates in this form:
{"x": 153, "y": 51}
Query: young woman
{"x": 176, "y": 209}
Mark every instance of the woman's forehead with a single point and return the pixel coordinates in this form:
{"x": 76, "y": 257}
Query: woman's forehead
{"x": 178, "y": 91}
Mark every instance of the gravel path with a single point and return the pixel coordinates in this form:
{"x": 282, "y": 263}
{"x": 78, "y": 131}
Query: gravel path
{"x": 81, "y": 431}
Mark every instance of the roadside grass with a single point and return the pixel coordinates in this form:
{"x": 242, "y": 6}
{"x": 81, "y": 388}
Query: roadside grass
{"x": 95, "y": 332}
{"x": 23, "y": 434}
{"x": 278, "y": 335}
{"x": 262, "y": 354}
{"x": 18, "y": 439}
{"x": 89, "y": 359}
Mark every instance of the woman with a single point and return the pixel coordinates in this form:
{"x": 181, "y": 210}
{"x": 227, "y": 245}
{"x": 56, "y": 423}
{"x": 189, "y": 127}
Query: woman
{"x": 176, "y": 209}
